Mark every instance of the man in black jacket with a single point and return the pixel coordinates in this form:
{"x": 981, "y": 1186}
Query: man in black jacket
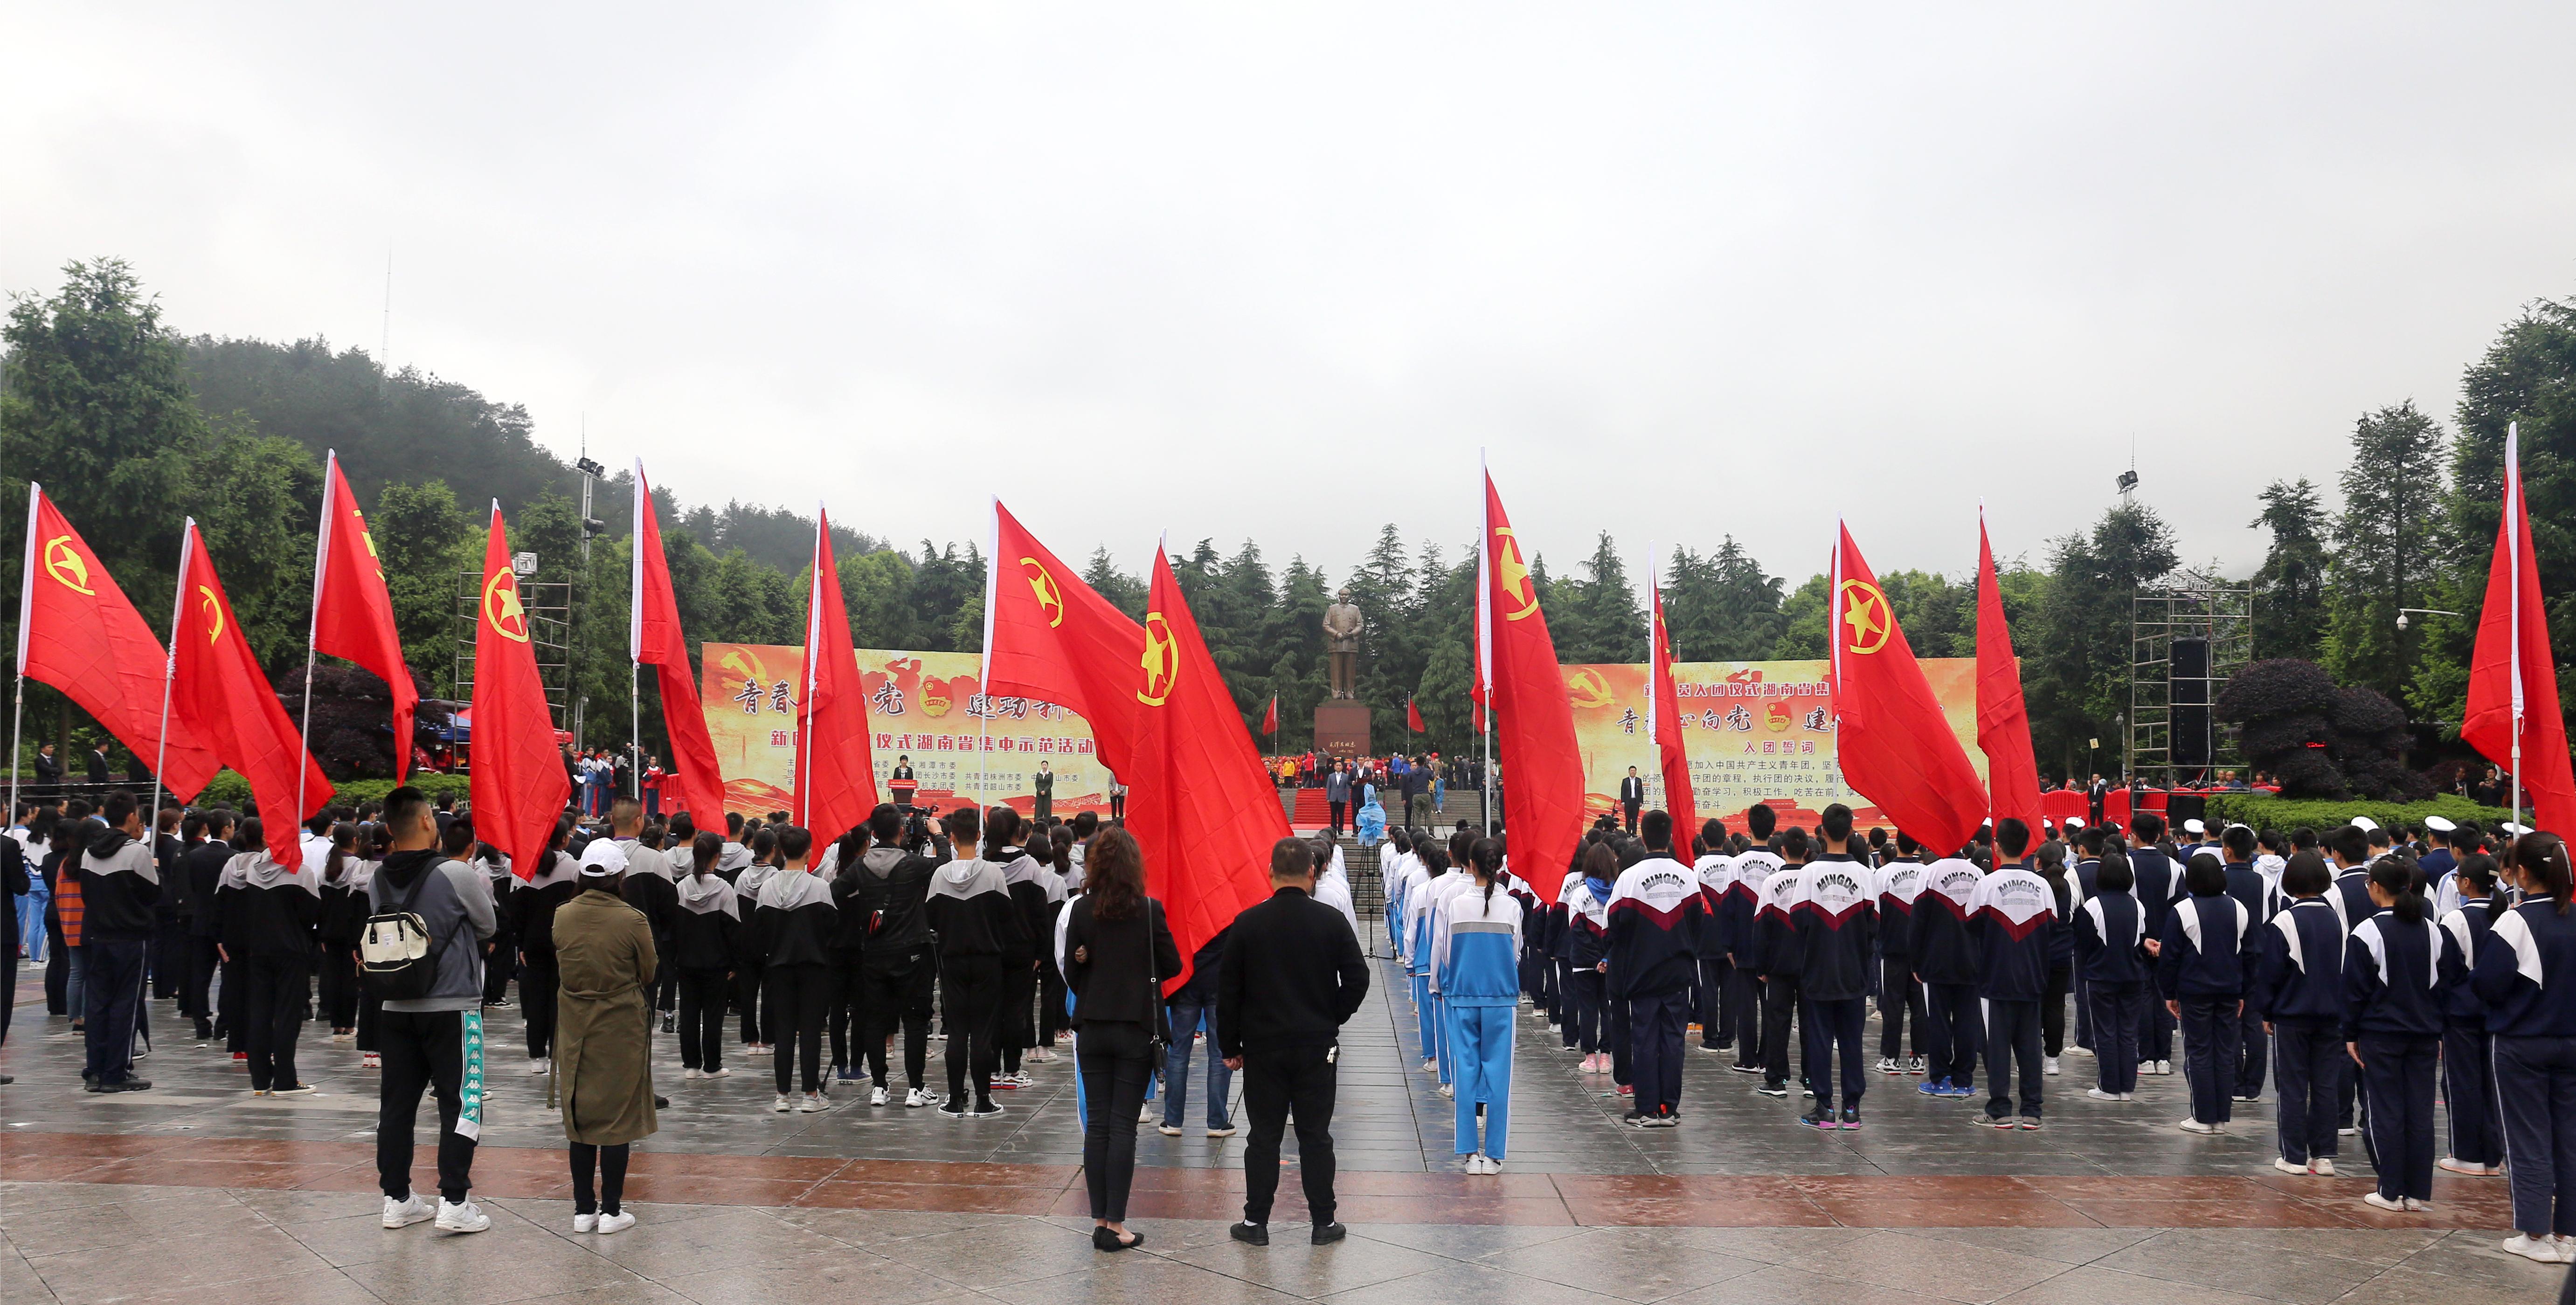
{"x": 203, "y": 869}
{"x": 1291, "y": 977}
{"x": 1632, "y": 798}
{"x": 119, "y": 882}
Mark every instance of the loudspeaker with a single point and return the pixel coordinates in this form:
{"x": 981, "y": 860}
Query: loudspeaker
{"x": 2187, "y": 690}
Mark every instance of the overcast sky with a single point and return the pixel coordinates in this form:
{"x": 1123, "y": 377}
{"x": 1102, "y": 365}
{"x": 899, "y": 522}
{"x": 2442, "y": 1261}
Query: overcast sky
{"x": 1281, "y": 270}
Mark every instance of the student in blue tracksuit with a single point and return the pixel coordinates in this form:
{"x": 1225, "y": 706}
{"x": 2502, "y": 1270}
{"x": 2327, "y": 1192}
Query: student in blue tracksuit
{"x": 2526, "y": 975}
{"x": 2203, "y": 964}
{"x": 2111, "y": 973}
{"x": 1837, "y": 921}
{"x": 1475, "y": 960}
{"x": 2159, "y": 885}
{"x": 2014, "y": 921}
{"x": 2393, "y": 1027}
{"x": 2299, "y": 993}
{"x": 1417, "y": 949}
{"x": 2468, "y": 1076}
{"x": 2247, "y": 885}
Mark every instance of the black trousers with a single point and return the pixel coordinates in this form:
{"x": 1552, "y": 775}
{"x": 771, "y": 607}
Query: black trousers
{"x": 1831, "y": 1026}
{"x": 2253, "y": 1051}
{"x": 1618, "y": 1037}
{"x": 799, "y": 1000}
{"x": 2116, "y": 1012}
{"x": 970, "y": 989}
{"x": 1655, "y": 1029}
{"x": 112, "y": 990}
{"x": 273, "y": 1016}
{"x": 746, "y": 998}
{"x": 610, "y": 1164}
{"x": 849, "y": 1022}
{"x": 1583, "y": 1010}
{"x": 1016, "y": 1032}
{"x": 1628, "y": 814}
{"x": 1339, "y": 810}
{"x": 1115, "y": 1061}
{"x": 1955, "y": 1033}
{"x": 2209, "y": 1032}
{"x": 498, "y": 965}
{"x": 2397, "y": 1077}
{"x": 169, "y": 957}
{"x": 2012, "y": 1035}
{"x": 1560, "y": 1008}
{"x": 1052, "y": 1015}
{"x": 1780, "y": 999}
{"x": 228, "y": 1007}
{"x": 1900, "y": 1000}
{"x": 1276, "y": 1084}
{"x": 422, "y": 1049}
{"x": 2052, "y": 1010}
{"x": 1743, "y": 1012}
{"x": 2469, "y": 1093}
{"x": 899, "y": 995}
{"x": 2312, "y": 1066}
{"x": 537, "y": 987}
{"x": 339, "y": 977}
{"x": 702, "y": 1012}
{"x": 2155, "y": 1029}
{"x": 1708, "y": 1004}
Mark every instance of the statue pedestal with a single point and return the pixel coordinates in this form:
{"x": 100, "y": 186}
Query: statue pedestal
{"x": 1342, "y": 727}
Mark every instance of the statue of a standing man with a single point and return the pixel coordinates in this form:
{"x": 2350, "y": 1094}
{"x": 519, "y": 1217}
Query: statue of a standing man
{"x": 1342, "y": 645}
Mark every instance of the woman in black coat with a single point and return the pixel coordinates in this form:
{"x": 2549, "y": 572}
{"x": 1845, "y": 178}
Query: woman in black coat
{"x": 1121, "y": 953}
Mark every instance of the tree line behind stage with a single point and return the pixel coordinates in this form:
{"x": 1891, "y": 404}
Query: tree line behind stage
{"x": 133, "y": 425}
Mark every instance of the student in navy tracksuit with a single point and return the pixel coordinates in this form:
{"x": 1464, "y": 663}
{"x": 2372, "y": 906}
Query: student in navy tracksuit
{"x": 1657, "y": 919}
{"x": 2014, "y": 921}
{"x": 2111, "y": 973}
{"x": 2349, "y": 849}
{"x": 2247, "y": 884}
{"x": 1837, "y": 921}
{"x": 2061, "y": 953}
{"x": 2203, "y": 964}
{"x": 2159, "y": 884}
{"x": 2526, "y": 975}
{"x": 1945, "y": 963}
{"x": 2468, "y": 1076}
{"x": 2299, "y": 993}
{"x": 1586, "y": 945}
{"x": 2085, "y": 874}
{"x": 2393, "y": 1028}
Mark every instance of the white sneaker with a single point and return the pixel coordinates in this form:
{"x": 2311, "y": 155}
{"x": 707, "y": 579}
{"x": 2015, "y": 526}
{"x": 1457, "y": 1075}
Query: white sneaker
{"x": 1145, "y": 1113}
{"x": 1886, "y": 1065}
{"x": 582, "y": 1223}
{"x": 1431, "y": 1067}
{"x": 2164, "y": 1067}
{"x": 1224, "y": 1131}
{"x": 407, "y": 1211}
{"x": 2322, "y": 1166}
{"x": 2100, "y": 1095}
{"x": 689, "y": 1075}
{"x": 717, "y": 1073}
{"x": 2195, "y": 1126}
{"x": 915, "y": 1099}
{"x": 1475, "y": 1164}
{"x": 814, "y": 1104}
{"x": 1449, "y": 1090}
{"x": 876, "y": 1096}
{"x": 2347, "y": 1132}
{"x": 461, "y": 1217}
{"x": 2374, "y": 1199}
{"x": 783, "y": 1104}
{"x": 540, "y": 1065}
{"x": 2048, "y": 1064}
{"x": 616, "y": 1223}
{"x": 2288, "y": 1166}
{"x": 2414, "y": 1206}
{"x": 1168, "y": 1130}
{"x": 2533, "y": 1248}
{"x": 2128, "y": 1096}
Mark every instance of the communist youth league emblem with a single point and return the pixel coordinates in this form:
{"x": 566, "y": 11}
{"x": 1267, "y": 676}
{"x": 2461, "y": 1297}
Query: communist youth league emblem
{"x": 64, "y": 563}
{"x": 1866, "y": 617}
{"x": 501, "y": 607}
{"x": 1513, "y": 574}
{"x": 1050, "y": 598}
{"x": 1161, "y": 662}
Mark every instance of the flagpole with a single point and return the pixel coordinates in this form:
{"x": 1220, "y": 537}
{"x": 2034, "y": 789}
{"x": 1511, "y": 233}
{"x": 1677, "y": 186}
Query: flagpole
{"x": 170, "y": 673}
{"x": 2513, "y": 508}
{"x": 1654, "y": 664}
{"x": 1485, "y": 628}
{"x": 312, "y": 622}
{"x": 984, "y": 661}
{"x": 635, "y": 639}
{"x": 26, "y": 609}
{"x": 805, "y": 715}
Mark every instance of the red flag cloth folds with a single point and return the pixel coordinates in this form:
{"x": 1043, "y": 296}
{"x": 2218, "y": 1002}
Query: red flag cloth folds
{"x": 78, "y": 632}
{"x": 2003, "y": 722}
{"x": 1896, "y": 747}
{"x": 695, "y": 783}
{"x": 1050, "y": 636}
{"x": 1542, "y": 764}
{"x": 1413, "y": 715}
{"x": 1202, "y": 808}
{"x": 516, "y": 768}
{"x": 836, "y": 771}
{"x": 1667, "y": 711}
{"x": 217, "y": 688}
{"x": 353, "y": 614}
{"x": 1270, "y": 716}
{"x": 2512, "y": 673}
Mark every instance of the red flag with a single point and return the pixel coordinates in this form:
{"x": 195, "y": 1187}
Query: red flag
{"x": 836, "y": 770}
{"x": 2003, "y": 722}
{"x": 1664, "y": 722}
{"x": 1049, "y": 636}
{"x": 217, "y": 688}
{"x": 1542, "y": 765}
{"x": 353, "y": 615}
{"x": 1895, "y": 746}
{"x": 2513, "y": 676}
{"x": 1413, "y": 715}
{"x": 518, "y": 782}
{"x": 695, "y": 782}
{"x": 1200, "y": 804}
{"x": 79, "y": 633}
{"x": 1270, "y": 717}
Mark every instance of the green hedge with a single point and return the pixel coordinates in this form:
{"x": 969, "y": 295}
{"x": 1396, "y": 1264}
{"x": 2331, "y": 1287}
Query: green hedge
{"x": 2263, "y": 811}
{"x": 231, "y": 790}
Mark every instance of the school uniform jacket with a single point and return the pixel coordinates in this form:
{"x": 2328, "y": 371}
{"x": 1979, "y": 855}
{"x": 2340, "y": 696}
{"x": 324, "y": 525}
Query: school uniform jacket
{"x": 970, "y": 908}
{"x": 2247, "y": 884}
{"x": 1837, "y": 919}
{"x": 2209, "y": 949}
{"x": 534, "y": 906}
{"x": 1717, "y": 878}
{"x": 1556, "y": 934}
{"x": 1587, "y": 930}
{"x": 2107, "y": 932}
{"x": 1776, "y": 945}
{"x": 1657, "y": 923}
{"x": 1944, "y": 950}
{"x": 794, "y": 921}
{"x": 2464, "y": 932}
{"x": 2392, "y": 984}
{"x": 2013, "y": 918}
{"x": 2526, "y": 970}
{"x": 119, "y": 883}
{"x": 2159, "y": 885}
{"x": 1743, "y": 939}
{"x": 2300, "y": 975}
{"x": 1026, "y": 880}
{"x": 703, "y": 928}
{"x": 1900, "y": 886}
{"x": 1419, "y": 893}
{"x": 268, "y": 910}
{"x": 1475, "y": 957}
{"x": 2351, "y": 897}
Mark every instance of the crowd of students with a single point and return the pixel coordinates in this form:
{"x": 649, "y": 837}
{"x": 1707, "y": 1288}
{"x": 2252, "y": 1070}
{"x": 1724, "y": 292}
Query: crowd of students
{"x": 2355, "y": 966}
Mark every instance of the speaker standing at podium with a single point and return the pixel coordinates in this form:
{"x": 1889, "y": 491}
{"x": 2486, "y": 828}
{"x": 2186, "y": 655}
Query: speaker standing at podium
{"x": 1632, "y": 798}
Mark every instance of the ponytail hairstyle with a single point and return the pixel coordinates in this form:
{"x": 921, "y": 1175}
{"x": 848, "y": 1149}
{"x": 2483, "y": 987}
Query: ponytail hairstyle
{"x": 764, "y": 847}
{"x": 1434, "y": 861}
{"x": 1001, "y": 831}
{"x": 704, "y": 849}
{"x": 2480, "y": 870}
{"x": 1060, "y": 849}
{"x": 1486, "y": 856}
{"x": 849, "y": 847}
{"x": 2543, "y": 858}
{"x": 2397, "y": 879}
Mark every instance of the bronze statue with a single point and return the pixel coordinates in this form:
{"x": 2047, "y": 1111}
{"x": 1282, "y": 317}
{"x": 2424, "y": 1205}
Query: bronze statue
{"x": 1342, "y": 645}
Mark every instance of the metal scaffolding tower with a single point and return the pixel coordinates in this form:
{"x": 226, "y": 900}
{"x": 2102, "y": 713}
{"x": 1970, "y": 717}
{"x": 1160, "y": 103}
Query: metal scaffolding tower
{"x": 549, "y": 609}
{"x": 2174, "y": 734}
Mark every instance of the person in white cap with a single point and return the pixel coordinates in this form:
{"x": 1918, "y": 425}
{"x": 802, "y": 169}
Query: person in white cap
{"x": 2200, "y": 841}
{"x": 2440, "y": 864}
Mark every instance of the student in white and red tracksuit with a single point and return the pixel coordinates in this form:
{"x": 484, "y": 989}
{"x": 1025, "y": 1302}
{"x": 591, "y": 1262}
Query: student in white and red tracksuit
{"x": 1945, "y": 963}
{"x": 1837, "y": 924}
{"x": 2468, "y": 1050}
{"x": 1900, "y": 998}
{"x": 2299, "y": 994}
{"x": 1657, "y": 919}
{"x": 1717, "y": 878}
{"x": 2204, "y": 963}
{"x": 2014, "y": 920}
{"x": 2393, "y": 1027}
{"x": 1735, "y": 918}
{"x": 1777, "y": 961}
{"x": 1585, "y": 946}
{"x": 2526, "y": 974}
{"x": 2110, "y": 965}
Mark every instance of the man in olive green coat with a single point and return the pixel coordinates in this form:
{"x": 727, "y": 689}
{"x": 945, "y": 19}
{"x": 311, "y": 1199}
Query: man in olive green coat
{"x": 602, "y": 1077}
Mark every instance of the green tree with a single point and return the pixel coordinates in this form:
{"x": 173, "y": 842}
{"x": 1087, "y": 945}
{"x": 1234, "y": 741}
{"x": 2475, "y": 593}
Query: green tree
{"x": 2075, "y": 664}
{"x": 2386, "y": 546}
{"x": 2289, "y": 592}
{"x": 1597, "y": 618}
{"x": 423, "y": 541}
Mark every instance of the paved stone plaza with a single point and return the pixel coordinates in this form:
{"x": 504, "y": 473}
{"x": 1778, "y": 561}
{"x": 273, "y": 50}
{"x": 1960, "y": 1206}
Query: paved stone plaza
{"x": 197, "y": 1191}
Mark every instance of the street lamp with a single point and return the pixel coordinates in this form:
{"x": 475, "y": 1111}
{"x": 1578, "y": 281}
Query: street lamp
{"x": 2422, "y": 611}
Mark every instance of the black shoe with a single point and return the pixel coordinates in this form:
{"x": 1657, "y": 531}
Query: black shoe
{"x": 1851, "y": 1117}
{"x": 6, "y": 1080}
{"x": 1774, "y": 1089}
{"x": 1818, "y": 1119}
{"x": 1327, "y": 1233}
{"x": 953, "y": 1107}
{"x": 1746, "y": 1069}
{"x": 205, "y": 1031}
{"x": 1104, "y": 1240}
{"x": 661, "y": 1102}
{"x": 669, "y": 1024}
{"x": 131, "y": 1085}
{"x": 1250, "y": 1234}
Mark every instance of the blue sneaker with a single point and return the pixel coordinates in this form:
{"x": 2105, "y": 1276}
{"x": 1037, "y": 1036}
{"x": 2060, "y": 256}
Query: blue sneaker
{"x": 1961, "y": 1090}
{"x": 1939, "y": 1087}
